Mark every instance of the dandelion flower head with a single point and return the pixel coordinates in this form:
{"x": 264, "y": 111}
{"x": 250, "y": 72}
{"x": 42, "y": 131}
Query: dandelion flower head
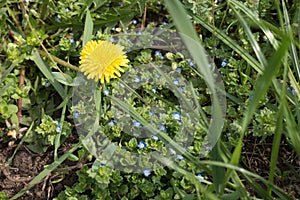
{"x": 102, "y": 60}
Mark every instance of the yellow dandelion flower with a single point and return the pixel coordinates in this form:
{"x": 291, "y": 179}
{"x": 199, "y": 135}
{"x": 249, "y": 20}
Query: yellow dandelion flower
{"x": 102, "y": 60}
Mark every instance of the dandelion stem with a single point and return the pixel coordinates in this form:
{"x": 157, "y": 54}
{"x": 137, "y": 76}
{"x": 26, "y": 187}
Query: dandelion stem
{"x": 59, "y": 61}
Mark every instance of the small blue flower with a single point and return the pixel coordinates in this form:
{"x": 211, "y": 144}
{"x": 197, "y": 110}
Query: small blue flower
{"x": 181, "y": 89}
{"x": 292, "y": 90}
{"x": 47, "y": 84}
{"x": 162, "y": 127}
{"x": 112, "y": 39}
{"x": 190, "y": 62}
{"x": 157, "y": 53}
{"x": 136, "y": 123}
{"x": 178, "y": 69}
{"x": 112, "y": 123}
{"x": 180, "y": 157}
{"x": 121, "y": 84}
{"x": 56, "y": 18}
{"x": 224, "y": 63}
{"x": 139, "y": 32}
{"x": 154, "y": 137}
{"x": 207, "y": 147}
{"x": 176, "y": 82}
{"x": 102, "y": 164}
{"x": 58, "y": 128}
{"x": 134, "y": 21}
{"x": 137, "y": 79}
{"x": 151, "y": 113}
{"x": 158, "y": 76}
{"x": 251, "y": 96}
{"x": 106, "y": 92}
{"x": 142, "y": 145}
{"x": 176, "y": 116}
{"x": 164, "y": 23}
{"x": 120, "y": 3}
{"x": 147, "y": 172}
{"x": 67, "y": 10}
{"x": 172, "y": 151}
{"x": 108, "y": 5}
{"x": 72, "y": 41}
{"x": 228, "y": 134}
{"x": 200, "y": 177}
{"x": 162, "y": 57}
{"x": 153, "y": 90}
{"x": 76, "y": 114}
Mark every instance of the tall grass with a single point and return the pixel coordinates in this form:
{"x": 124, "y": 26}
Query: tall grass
{"x": 284, "y": 50}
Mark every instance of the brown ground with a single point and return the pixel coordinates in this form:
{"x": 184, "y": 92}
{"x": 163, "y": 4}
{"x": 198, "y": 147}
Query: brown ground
{"x": 25, "y": 166}
{"x": 257, "y": 156}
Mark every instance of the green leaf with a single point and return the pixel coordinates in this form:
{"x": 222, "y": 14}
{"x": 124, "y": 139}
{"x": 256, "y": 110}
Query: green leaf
{"x": 62, "y": 78}
{"x": 47, "y": 73}
{"x": 88, "y": 28}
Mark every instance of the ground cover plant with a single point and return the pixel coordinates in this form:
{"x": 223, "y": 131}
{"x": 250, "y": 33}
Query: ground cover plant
{"x": 149, "y": 99}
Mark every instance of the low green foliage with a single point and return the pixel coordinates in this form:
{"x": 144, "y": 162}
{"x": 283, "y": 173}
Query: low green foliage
{"x": 254, "y": 45}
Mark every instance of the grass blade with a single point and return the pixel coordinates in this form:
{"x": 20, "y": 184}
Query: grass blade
{"x": 88, "y": 28}
{"x": 192, "y": 42}
{"x": 46, "y": 171}
{"x": 47, "y": 73}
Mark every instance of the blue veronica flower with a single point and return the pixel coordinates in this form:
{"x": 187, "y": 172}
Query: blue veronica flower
{"x": 76, "y": 114}
{"x": 47, "y": 84}
{"x": 172, "y": 151}
{"x": 162, "y": 127}
{"x": 162, "y": 57}
{"x": 228, "y": 134}
{"x": 190, "y": 62}
{"x": 158, "y": 76}
{"x": 112, "y": 39}
{"x": 72, "y": 41}
{"x": 154, "y": 137}
{"x": 151, "y": 113}
{"x": 137, "y": 79}
{"x": 147, "y": 172}
{"x": 56, "y": 18}
{"x": 200, "y": 177}
{"x": 120, "y": 3}
{"x": 58, "y": 128}
{"x": 112, "y": 123}
{"x": 136, "y": 123}
{"x": 224, "y": 63}
{"x": 251, "y": 96}
{"x": 207, "y": 147}
{"x": 292, "y": 90}
{"x": 181, "y": 89}
{"x": 180, "y": 157}
{"x": 164, "y": 23}
{"x": 153, "y": 90}
{"x": 106, "y": 92}
{"x": 176, "y": 82}
{"x": 176, "y": 116}
{"x": 134, "y": 21}
{"x": 157, "y": 53}
{"x": 178, "y": 69}
{"x": 67, "y": 9}
{"x": 142, "y": 145}
{"x": 139, "y": 32}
